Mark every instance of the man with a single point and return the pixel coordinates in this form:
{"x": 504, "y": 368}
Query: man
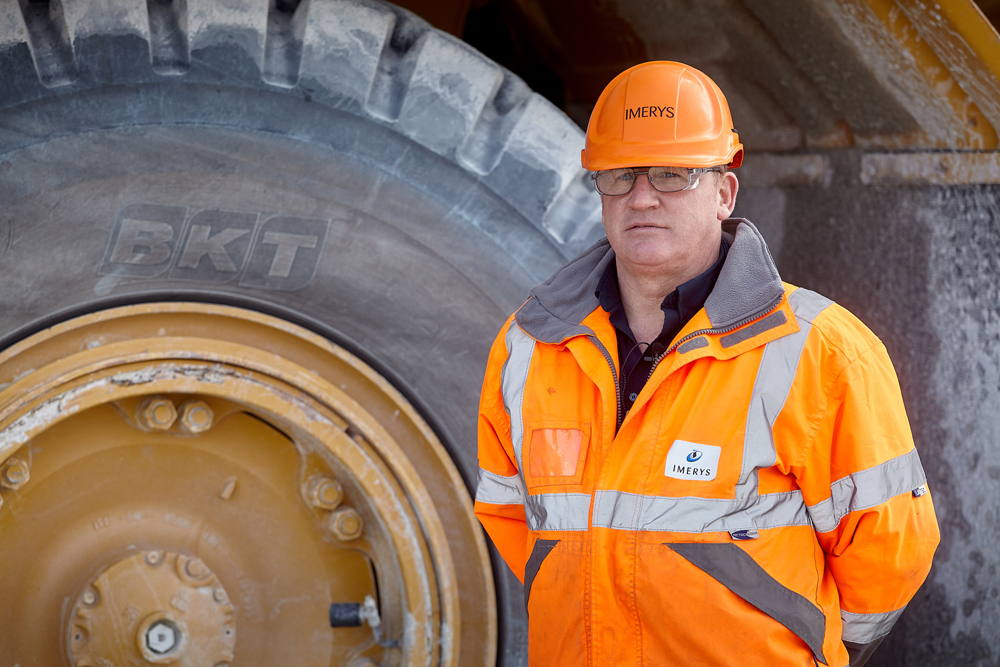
{"x": 685, "y": 460}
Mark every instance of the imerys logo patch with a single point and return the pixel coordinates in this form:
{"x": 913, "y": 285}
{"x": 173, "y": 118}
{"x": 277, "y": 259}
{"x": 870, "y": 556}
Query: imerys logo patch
{"x": 691, "y": 460}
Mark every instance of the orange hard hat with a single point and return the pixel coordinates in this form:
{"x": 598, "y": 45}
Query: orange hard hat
{"x": 661, "y": 113}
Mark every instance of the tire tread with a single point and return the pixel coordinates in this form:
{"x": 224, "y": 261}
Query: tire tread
{"x": 168, "y": 41}
{"x": 370, "y": 58}
{"x": 48, "y": 40}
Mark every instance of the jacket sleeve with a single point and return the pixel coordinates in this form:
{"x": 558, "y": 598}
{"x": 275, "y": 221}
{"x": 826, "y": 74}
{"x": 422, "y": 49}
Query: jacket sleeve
{"x": 867, "y": 496}
{"x": 500, "y": 492}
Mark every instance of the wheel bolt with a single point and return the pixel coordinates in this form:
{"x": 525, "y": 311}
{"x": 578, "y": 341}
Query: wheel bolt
{"x": 152, "y": 558}
{"x": 219, "y": 595}
{"x": 15, "y": 474}
{"x": 89, "y": 598}
{"x": 196, "y": 568}
{"x": 161, "y": 637}
{"x": 324, "y": 492}
{"x": 157, "y": 413}
{"x": 345, "y": 524}
{"x": 196, "y": 416}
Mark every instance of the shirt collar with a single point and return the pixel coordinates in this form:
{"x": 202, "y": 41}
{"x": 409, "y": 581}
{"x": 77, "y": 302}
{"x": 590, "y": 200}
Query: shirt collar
{"x": 748, "y": 286}
{"x": 687, "y": 299}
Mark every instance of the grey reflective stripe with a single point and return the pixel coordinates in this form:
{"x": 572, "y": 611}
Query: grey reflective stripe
{"x": 868, "y": 488}
{"x": 541, "y": 549}
{"x": 739, "y": 572}
{"x": 499, "y": 489}
{"x": 865, "y": 628}
{"x": 760, "y": 326}
{"x": 513, "y": 376}
{"x": 692, "y": 345}
{"x": 629, "y": 511}
{"x": 747, "y": 510}
{"x": 771, "y": 387}
{"x": 557, "y": 511}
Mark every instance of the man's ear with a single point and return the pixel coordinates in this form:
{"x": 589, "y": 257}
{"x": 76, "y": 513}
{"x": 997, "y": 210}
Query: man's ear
{"x": 729, "y": 185}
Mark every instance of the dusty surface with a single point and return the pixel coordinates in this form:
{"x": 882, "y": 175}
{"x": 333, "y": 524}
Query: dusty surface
{"x": 919, "y": 266}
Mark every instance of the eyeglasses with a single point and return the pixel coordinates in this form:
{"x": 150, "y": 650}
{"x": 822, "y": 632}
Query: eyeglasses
{"x": 615, "y": 182}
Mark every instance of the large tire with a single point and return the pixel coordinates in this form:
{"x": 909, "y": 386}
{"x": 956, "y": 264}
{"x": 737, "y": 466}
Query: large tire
{"x": 377, "y": 181}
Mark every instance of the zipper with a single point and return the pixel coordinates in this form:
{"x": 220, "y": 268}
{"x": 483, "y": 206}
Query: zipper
{"x": 614, "y": 375}
{"x": 619, "y": 417}
{"x": 702, "y": 332}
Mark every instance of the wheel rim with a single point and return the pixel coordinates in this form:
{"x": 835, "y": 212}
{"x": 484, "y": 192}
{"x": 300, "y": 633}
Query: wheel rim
{"x": 285, "y": 466}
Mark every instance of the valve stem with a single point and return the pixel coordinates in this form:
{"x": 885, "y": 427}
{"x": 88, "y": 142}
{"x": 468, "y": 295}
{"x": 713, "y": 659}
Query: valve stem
{"x": 352, "y": 614}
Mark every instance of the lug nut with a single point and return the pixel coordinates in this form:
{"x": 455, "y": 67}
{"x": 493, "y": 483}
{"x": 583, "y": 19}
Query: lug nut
{"x": 196, "y": 416}
{"x": 157, "y": 413}
{"x": 324, "y": 492}
{"x": 345, "y": 524}
{"x": 89, "y": 597}
{"x": 161, "y": 637}
{"x": 196, "y": 568}
{"x": 15, "y": 474}
{"x": 152, "y": 558}
{"x": 219, "y": 595}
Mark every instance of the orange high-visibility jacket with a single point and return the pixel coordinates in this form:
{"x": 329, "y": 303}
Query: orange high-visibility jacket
{"x": 761, "y": 504}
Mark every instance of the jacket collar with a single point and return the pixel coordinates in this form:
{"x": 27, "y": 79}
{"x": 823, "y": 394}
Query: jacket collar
{"x": 748, "y": 286}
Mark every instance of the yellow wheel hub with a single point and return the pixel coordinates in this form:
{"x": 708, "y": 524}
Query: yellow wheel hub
{"x": 202, "y": 482}
{"x": 160, "y": 607}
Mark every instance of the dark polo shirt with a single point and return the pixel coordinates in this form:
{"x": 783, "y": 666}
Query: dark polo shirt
{"x": 634, "y": 361}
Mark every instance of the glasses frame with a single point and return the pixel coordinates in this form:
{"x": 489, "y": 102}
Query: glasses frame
{"x": 694, "y": 177}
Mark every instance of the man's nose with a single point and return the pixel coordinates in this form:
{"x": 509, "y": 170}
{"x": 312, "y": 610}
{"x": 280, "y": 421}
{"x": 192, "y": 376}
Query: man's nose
{"x": 643, "y": 194}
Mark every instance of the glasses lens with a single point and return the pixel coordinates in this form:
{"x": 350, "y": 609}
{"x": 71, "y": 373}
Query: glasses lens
{"x": 614, "y": 181}
{"x": 669, "y": 179}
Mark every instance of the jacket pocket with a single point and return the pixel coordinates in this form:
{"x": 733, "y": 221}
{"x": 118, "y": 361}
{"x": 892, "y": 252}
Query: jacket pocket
{"x": 739, "y": 572}
{"x": 556, "y": 453}
{"x": 705, "y": 604}
{"x": 541, "y": 549}
{"x": 554, "y": 584}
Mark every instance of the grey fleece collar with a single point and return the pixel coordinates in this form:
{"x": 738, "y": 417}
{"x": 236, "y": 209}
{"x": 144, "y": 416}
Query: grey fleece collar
{"x": 748, "y": 286}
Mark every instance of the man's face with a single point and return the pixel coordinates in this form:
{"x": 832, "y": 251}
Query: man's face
{"x": 669, "y": 232}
